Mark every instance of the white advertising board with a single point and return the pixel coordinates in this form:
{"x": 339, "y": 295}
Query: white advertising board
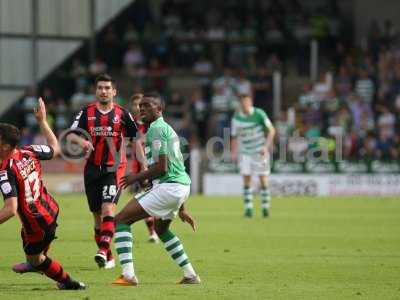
{"x": 309, "y": 184}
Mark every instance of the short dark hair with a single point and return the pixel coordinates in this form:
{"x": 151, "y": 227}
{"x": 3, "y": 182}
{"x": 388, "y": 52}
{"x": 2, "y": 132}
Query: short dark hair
{"x": 136, "y": 96}
{"x": 9, "y": 134}
{"x": 242, "y": 96}
{"x": 156, "y": 97}
{"x": 152, "y": 94}
{"x": 106, "y": 78}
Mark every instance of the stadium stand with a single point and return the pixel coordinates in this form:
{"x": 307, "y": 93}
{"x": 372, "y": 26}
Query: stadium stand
{"x": 148, "y": 46}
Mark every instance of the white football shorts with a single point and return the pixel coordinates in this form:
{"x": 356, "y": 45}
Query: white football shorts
{"x": 164, "y": 199}
{"x": 256, "y": 164}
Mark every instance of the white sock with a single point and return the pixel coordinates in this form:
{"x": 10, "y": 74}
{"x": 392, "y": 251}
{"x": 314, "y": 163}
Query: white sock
{"x": 128, "y": 271}
{"x": 188, "y": 271}
{"x": 123, "y": 244}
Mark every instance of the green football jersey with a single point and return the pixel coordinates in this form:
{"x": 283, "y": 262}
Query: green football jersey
{"x": 161, "y": 139}
{"x": 250, "y": 130}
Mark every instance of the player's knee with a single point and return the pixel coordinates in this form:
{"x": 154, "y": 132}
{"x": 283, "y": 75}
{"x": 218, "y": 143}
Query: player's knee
{"x": 159, "y": 229}
{"x": 107, "y": 209}
{"x": 118, "y": 219}
{"x": 122, "y": 218}
{"x": 36, "y": 260}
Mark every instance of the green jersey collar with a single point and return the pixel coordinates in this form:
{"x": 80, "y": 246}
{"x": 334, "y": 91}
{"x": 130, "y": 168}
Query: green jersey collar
{"x": 159, "y": 119}
{"x": 242, "y": 114}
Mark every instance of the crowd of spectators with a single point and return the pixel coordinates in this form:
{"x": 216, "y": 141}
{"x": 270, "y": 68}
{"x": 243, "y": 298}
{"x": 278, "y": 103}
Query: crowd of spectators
{"x": 359, "y": 101}
{"x": 180, "y": 35}
{"x": 233, "y": 49}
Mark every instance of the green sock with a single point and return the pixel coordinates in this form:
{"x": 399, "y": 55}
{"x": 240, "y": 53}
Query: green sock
{"x": 175, "y": 248}
{"x": 248, "y": 198}
{"x": 265, "y": 198}
{"x": 123, "y": 244}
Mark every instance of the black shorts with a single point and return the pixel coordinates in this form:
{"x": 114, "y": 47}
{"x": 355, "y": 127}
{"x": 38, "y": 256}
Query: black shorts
{"x": 102, "y": 186}
{"x": 38, "y": 246}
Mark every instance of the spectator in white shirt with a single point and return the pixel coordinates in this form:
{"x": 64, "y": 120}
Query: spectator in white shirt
{"x": 386, "y": 123}
{"x": 365, "y": 87}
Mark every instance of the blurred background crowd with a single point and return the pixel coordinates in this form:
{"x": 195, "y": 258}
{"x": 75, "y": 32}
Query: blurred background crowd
{"x": 233, "y": 48}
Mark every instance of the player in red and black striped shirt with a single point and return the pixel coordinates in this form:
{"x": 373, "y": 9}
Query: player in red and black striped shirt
{"x": 138, "y": 157}
{"x": 106, "y": 124}
{"x": 24, "y": 194}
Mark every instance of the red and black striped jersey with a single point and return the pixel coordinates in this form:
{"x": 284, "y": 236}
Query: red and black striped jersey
{"x": 21, "y": 177}
{"x": 142, "y": 128}
{"x": 107, "y": 131}
{"x": 135, "y": 166}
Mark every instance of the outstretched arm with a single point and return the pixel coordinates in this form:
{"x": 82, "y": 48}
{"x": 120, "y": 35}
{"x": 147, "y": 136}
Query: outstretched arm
{"x": 80, "y": 123}
{"x": 41, "y": 116}
{"x": 76, "y": 139}
{"x": 154, "y": 171}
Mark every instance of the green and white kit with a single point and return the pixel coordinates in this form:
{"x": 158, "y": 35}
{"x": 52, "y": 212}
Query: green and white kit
{"x": 250, "y": 133}
{"x": 170, "y": 190}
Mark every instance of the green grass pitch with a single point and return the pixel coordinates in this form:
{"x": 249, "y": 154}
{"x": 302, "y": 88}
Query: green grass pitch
{"x": 310, "y": 248}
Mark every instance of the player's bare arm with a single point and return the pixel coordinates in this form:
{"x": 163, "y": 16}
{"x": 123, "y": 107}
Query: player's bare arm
{"x": 140, "y": 156}
{"x": 270, "y": 135}
{"x": 154, "y": 171}
{"x": 9, "y": 209}
{"x": 76, "y": 139}
{"x": 233, "y": 148}
{"x": 186, "y": 217}
{"x": 41, "y": 117}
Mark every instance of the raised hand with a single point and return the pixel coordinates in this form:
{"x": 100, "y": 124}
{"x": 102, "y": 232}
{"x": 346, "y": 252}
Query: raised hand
{"x": 87, "y": 146}
{"x": 40, "y": 111}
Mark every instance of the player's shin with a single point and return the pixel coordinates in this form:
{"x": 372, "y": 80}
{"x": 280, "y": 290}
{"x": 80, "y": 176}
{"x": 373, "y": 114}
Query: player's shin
{"x": 123, "y": 244}
{"x": 175, "y": 248}
{"x": 248, "y": 201}
{"x": 97, "y": 238}
{"x": 150, "y": 224}
{"x": 265, "y": 201}
{"x": 153, "y": 237}
{"x": 107, "y": 233}
{"x": 53, "y": 270}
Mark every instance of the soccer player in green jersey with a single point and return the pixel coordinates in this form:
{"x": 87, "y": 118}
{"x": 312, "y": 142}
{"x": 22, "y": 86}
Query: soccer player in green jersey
{"x": 165, "y": 200}
{"x": 252, "y": 138}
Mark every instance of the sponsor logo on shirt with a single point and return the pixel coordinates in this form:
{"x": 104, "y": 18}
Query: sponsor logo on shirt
{"x": 41, "y": 148}
{"x": 157, "y": 144}
{"x": 6, "y": 188}
{"x": 25, "y": 167}
{"x": 103, "y": 131}
{"x": 116, "y": 119}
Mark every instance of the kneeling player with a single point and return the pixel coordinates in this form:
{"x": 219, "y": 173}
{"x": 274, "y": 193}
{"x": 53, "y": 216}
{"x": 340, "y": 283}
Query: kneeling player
{"x": 24, "y": 193}
{"x": 171, "y": 187}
